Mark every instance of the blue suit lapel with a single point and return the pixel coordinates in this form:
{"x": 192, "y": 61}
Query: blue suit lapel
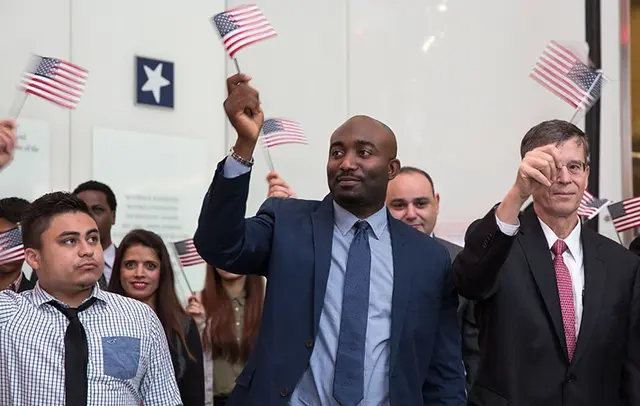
{"x": 322, "y": 222}
{"x": 402, "y": 280}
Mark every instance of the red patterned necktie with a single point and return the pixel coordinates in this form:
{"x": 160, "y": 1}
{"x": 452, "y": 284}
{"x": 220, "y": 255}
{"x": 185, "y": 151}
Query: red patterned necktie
{"x": 565, "y": 291}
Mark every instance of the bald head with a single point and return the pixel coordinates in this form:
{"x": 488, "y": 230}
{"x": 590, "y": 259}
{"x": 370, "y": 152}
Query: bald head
{"x": 362, "y": 160}
{"x": 387, "y": 138}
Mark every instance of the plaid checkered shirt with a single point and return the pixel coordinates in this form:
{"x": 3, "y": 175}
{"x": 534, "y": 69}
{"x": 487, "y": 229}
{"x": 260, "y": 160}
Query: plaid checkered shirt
{"x": 129, "y": 361}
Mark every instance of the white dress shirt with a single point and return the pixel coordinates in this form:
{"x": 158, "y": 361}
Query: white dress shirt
{"x": 572, "y": 257}
{"x": 109, "y": 259}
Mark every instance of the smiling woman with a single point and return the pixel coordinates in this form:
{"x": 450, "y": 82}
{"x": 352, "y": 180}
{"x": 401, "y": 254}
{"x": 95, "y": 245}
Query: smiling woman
{"x": 142, "y": 270}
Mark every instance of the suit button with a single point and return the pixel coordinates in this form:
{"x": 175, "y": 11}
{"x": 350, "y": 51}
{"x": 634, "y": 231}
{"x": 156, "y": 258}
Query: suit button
{"x": 308, "y": 343}
{"x": 284, "y": 393}
{"x": 570, "y": 378}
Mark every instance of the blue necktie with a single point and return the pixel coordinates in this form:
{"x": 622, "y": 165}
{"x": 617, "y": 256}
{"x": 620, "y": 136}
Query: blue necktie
{"x": 348, "y": 382}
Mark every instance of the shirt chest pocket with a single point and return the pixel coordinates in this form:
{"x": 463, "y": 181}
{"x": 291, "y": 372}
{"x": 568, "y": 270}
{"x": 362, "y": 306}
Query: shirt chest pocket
{"x": 121, "y": 356}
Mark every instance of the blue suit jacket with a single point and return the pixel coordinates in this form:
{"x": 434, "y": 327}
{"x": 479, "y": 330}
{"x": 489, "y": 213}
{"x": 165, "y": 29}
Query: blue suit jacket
{"x": 289, "y": 242}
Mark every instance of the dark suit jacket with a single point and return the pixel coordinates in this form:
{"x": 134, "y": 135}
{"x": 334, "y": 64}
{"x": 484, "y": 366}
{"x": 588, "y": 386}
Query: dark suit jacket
{"x": 467, "y": 321}
{"x": 25, "y": 284}
{"x": 289, "y": 241}
{"x": 524, "y": 357}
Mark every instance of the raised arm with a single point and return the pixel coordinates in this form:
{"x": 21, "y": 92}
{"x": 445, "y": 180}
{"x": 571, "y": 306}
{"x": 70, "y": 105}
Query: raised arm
{"x": 489, "y": 240}
{"x": 224, "y": 238}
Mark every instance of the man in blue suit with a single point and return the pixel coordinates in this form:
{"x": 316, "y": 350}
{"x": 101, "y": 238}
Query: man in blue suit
{"x": 360, "y": 308}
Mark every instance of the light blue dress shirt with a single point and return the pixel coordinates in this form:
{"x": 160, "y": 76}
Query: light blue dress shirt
{"x": 316, "y": 385}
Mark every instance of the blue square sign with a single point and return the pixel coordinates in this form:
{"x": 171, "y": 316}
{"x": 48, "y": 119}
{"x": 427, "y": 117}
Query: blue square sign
{"x": 154, "y": 82}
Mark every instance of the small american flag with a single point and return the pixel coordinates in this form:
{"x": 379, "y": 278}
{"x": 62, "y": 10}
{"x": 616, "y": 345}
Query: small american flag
{"x": 565, "y": 75}
{"x": 278, "y": 131}
{"x": 625, "y": 214}
{"x": 187, "y": 254}
{"x": 55, "y": 80}
{"x": 591, "y": 206}
{"x": 11, "y": 248}
{"x": 242, "y": 26}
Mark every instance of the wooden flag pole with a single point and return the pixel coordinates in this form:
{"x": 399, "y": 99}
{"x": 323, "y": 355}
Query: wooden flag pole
{"x": 267, "y": 154}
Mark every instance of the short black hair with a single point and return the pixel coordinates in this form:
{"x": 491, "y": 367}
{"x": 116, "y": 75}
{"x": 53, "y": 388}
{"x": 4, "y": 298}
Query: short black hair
{"x": 553, "y": 132}
{"x": 412, "y": 169}
{"x": 37, "y": 217}
{"x": 98, "y": 187}
{"x": 12, "y": 208}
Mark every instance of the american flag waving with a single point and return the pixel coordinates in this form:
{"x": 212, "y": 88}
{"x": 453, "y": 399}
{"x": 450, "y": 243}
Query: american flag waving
{"x": 187, "y": 254}
{"x": 242, "y": 26}
{"x": 565, "y": 75}
{"x": 55, "y": 80}
{"x": 278, "y": 131}
{"x": 11, "y": 248}
{"x": 591, "y": 206}
{"x": 625, "y": 214}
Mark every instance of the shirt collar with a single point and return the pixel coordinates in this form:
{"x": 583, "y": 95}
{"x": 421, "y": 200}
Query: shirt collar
{"x": 15, "y": 285}
{"x": 345, "y": 220}
{"x": 573, "y": 239}
{"x": 110, "y": 255}
{"x": 40, "y": 296}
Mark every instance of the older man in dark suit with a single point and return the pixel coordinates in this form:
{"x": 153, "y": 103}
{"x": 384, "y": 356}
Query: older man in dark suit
{"x": 558, "y": 304}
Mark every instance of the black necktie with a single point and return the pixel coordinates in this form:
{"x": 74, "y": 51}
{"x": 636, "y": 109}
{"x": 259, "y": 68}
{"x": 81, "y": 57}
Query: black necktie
{"x": 102, "y": 282}
{"x": 76, "y": 355}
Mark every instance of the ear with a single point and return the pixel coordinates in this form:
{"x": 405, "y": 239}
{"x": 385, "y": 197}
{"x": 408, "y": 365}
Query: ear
{"x": 437, "y": 201}
{"x": 33, "y": 258}
{"x": 113, "y": 214}
{"x": 586, "y": 183}
{"x": 394, "y": 168}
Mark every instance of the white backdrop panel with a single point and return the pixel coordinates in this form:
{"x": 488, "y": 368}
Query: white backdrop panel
{"x": 161, "y": 190}
{"x": 451, "y": 79}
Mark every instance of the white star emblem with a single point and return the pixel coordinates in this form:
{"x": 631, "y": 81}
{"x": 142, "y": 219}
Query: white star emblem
{"x": 155, "y": 81}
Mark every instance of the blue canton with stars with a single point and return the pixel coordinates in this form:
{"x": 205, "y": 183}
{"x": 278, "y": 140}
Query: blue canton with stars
{"x": 585, "y": 77}
{"x": 272, "y": 126}
{"x": 224, "y": 24}
{"x": 46, "y": 67}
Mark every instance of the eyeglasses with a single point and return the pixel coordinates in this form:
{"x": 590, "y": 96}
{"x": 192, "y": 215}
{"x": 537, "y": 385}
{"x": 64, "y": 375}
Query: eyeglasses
{"x": 575, "y": 167}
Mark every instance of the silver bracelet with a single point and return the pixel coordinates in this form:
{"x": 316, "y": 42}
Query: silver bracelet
{"x": 240, "y": 159}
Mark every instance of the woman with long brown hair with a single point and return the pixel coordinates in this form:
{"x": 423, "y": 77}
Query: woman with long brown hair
{"x": 142, "y": 270}
{"x": 229, "y": 312}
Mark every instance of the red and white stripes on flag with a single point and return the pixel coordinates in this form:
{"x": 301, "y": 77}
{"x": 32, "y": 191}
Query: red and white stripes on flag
{"x": 55, "y": 80}
{"x": 278, "y": 131}
{"x": 11, "y": 248}
{"x": 565, "y": 75}
{"x": 590, "y": 206}
{"x": 187, "y": 253}
{"x": 625, "y": 214}
{"x": 242, "y": 26}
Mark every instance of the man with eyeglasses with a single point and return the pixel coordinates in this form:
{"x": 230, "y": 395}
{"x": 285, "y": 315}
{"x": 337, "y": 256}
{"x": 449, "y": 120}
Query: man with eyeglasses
{"x": 558, "y": 305}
